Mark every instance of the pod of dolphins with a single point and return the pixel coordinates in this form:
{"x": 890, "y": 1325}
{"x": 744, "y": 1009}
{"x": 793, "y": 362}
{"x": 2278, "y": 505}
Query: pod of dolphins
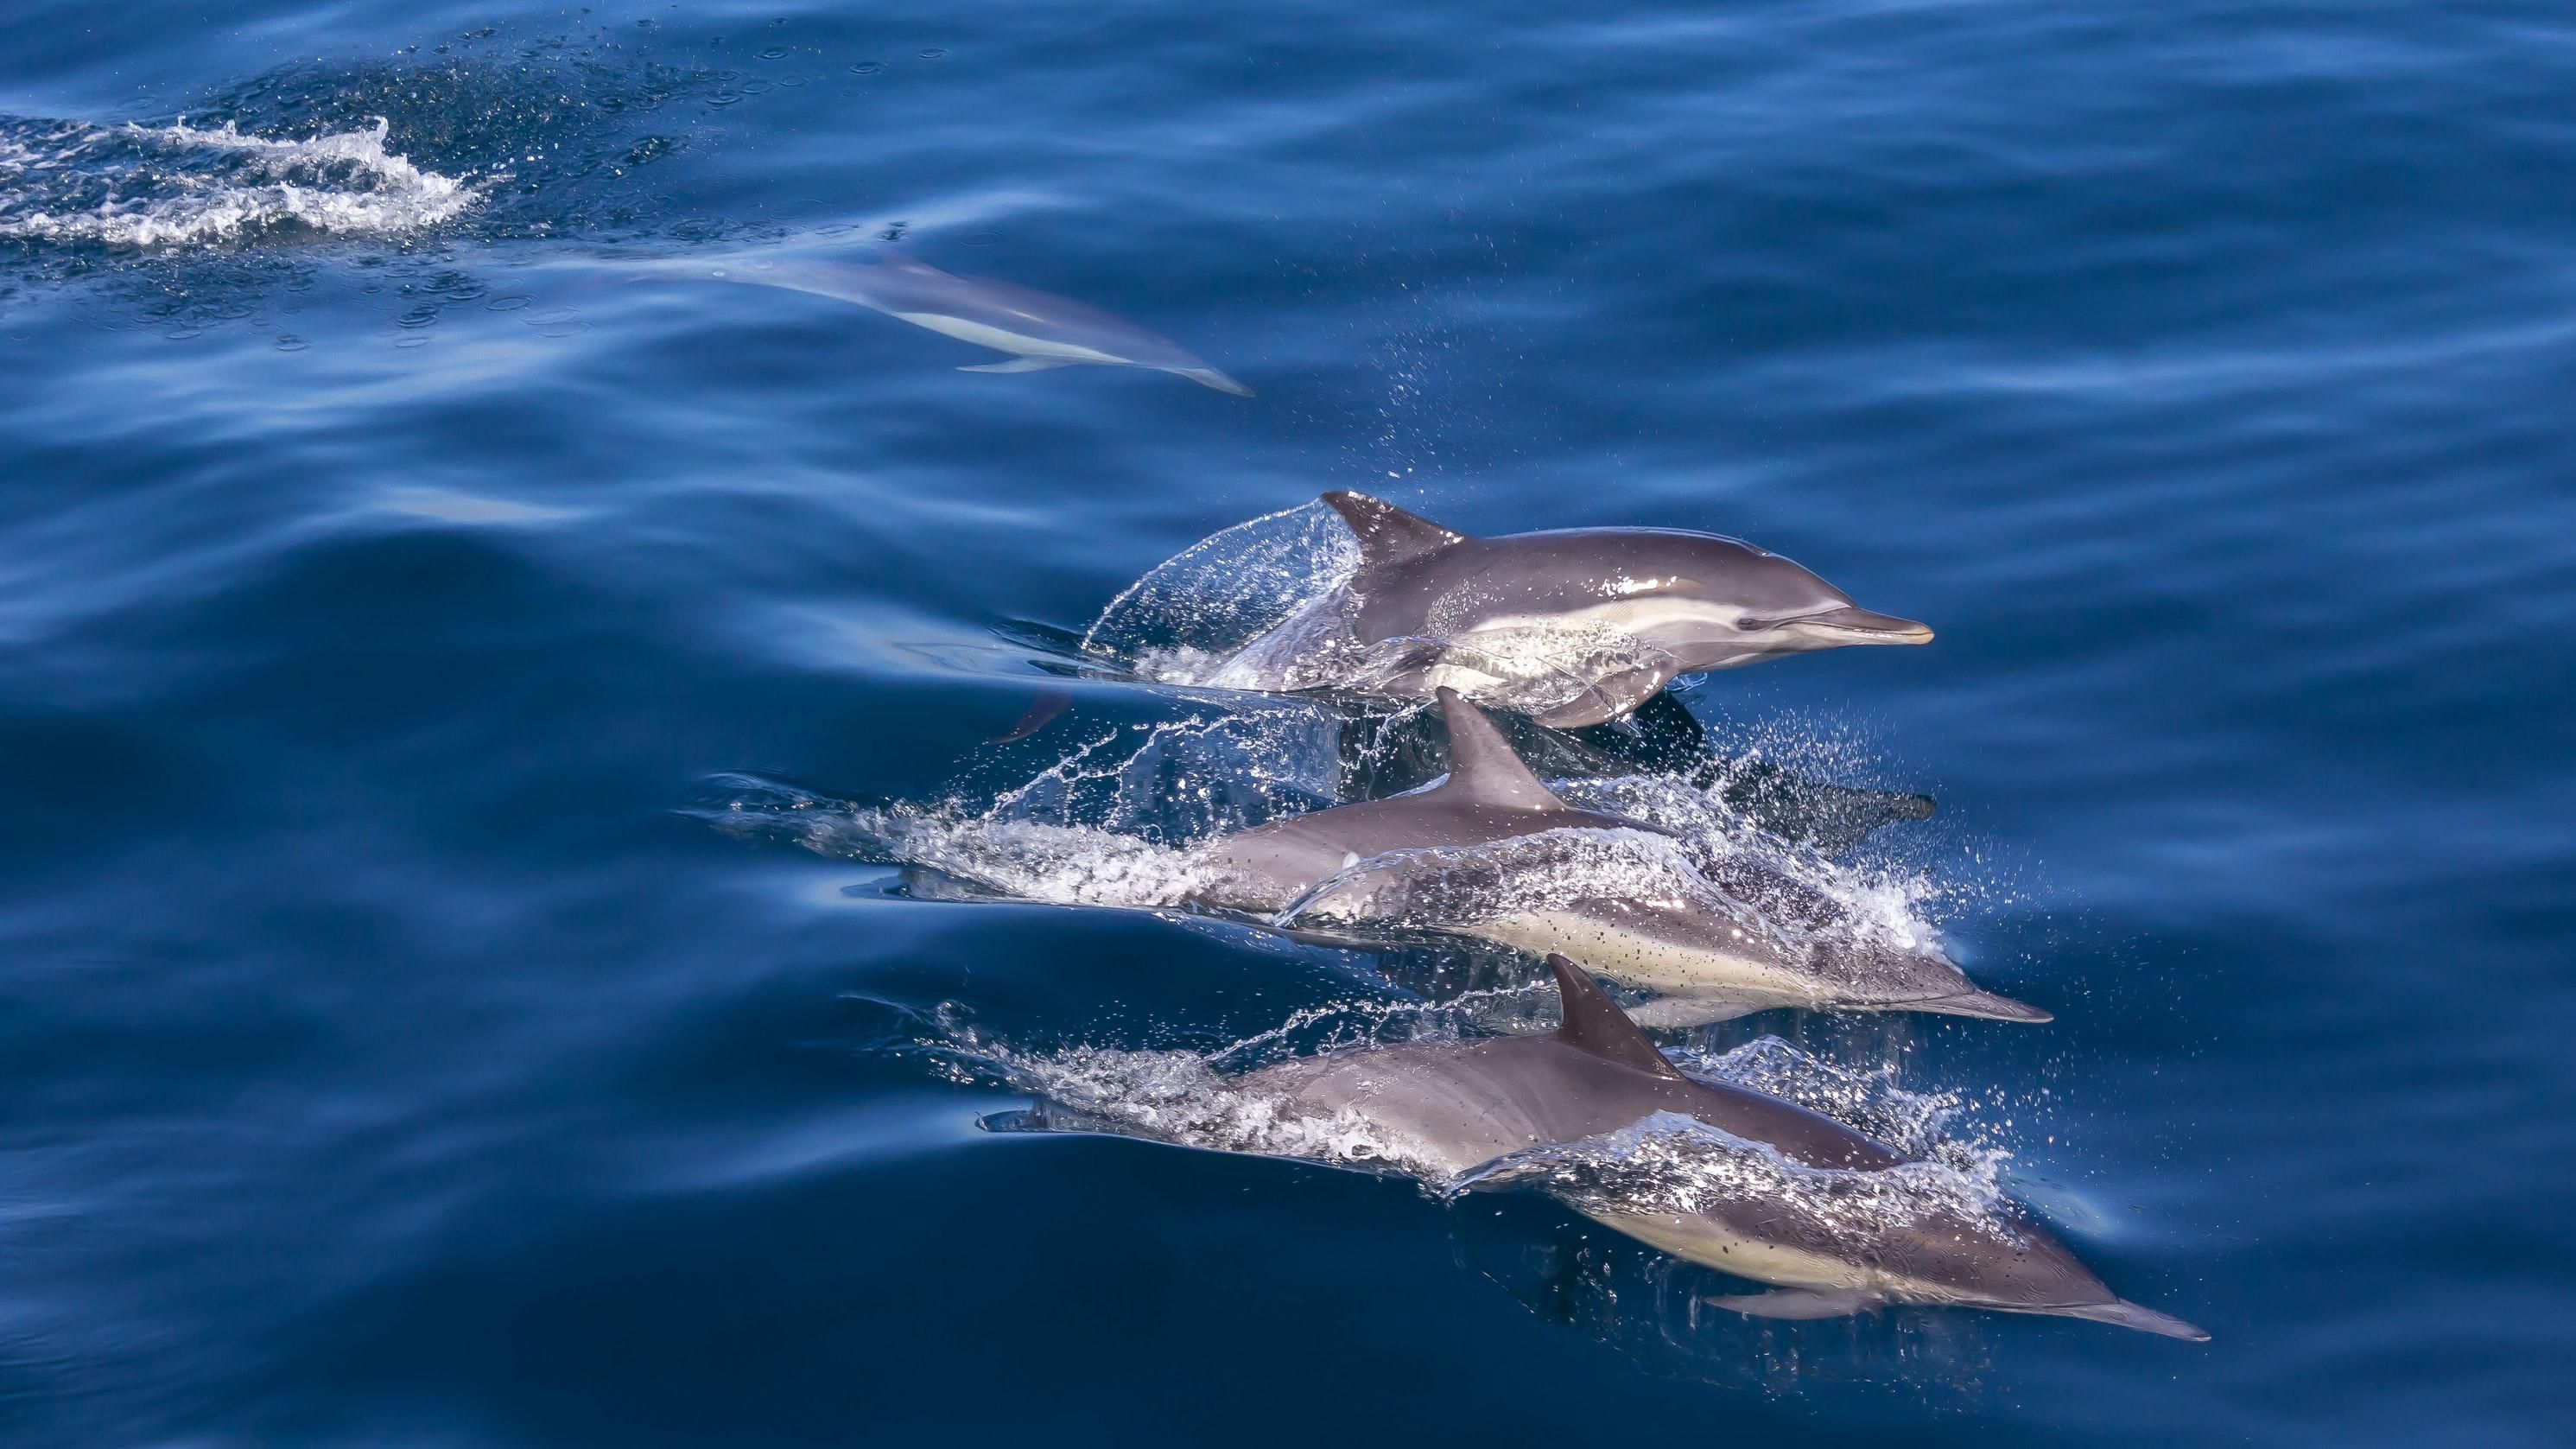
{"x": 1425, "y": 616}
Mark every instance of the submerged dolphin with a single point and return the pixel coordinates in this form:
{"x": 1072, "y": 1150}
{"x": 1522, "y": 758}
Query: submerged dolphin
{"x": 1040, "y": 330}
{"x": 1724, "y": 962}
{"x": 1451, "y": 1107}
{"x": 1590, "y": 622}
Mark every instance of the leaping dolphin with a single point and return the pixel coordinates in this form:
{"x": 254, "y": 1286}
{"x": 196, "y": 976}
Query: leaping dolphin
{"x": 1715, "y": 957}
{"x": 1577, "y": 626}
{"x": 1039, "y": 329}
{"x": 1449, "y": 1108}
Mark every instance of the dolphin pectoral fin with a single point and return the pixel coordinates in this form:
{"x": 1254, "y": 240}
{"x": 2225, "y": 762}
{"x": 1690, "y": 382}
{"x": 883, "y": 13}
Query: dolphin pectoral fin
{"x": 1607, "y": 700}
{"x": 1021, "y": 364}
{"x": 1677, "y": 1013}
{"x": 1797, "y": 1303}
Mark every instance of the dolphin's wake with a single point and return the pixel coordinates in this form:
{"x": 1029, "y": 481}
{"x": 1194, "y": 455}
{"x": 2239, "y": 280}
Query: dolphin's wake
{"x": 145, "y": 186}
{"x": 195, "y": 213}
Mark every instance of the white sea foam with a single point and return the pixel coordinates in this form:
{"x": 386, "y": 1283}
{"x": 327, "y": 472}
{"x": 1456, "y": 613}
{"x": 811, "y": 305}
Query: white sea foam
{"x": 1260, "y": 606}
{"x": 1029, "y": 860}
{"x": 1126, "y": 820}
{"x": 178, "y": 185}
{"x": 1665, "y": 1163}
{"x": 1175, "y": 1097}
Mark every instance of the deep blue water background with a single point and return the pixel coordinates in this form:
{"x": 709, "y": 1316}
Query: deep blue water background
{"x": 385, "y": 1057}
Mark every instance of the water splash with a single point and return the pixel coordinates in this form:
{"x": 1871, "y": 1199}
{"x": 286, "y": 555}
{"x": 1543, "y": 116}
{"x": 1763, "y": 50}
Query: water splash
{"x": 1131, "y": 818}
{"x": 1665, "y": 1163}
{"x": 1186, "y": 617}
{"x": 1673, "y": 1165}
{"x": 174, "y": 185}
{"x": 1262, "y": 606}
{"x": 194, "y": 219}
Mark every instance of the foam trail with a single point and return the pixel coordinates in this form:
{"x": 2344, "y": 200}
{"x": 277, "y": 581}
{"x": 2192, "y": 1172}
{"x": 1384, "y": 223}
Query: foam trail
{"x": 1122, "y": 822}
{"x": 1663, "y": 1163}
{"x": 177, "y": 185}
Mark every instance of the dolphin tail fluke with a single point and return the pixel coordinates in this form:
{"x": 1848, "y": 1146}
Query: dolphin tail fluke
{"x": 1797, "y": 1303}
{"x": 1021, "y": 364}
{"x": 2122, "y": 1313}
{"x": 1210, "y": 377}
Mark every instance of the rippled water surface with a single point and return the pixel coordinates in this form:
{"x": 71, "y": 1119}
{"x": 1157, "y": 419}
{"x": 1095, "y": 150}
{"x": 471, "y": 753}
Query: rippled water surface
{"x": 450, "y": 654}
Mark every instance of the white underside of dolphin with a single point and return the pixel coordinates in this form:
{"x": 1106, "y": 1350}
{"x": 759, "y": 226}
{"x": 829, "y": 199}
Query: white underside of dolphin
{"x": 1036, "y": 354}
{"x": 1820, "y": 1285}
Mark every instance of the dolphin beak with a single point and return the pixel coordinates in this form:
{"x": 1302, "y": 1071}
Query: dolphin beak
{"x": 2125, "y": 1314}
{"x": 1984, "y": 1004}
{"x": 1855, "y": 625}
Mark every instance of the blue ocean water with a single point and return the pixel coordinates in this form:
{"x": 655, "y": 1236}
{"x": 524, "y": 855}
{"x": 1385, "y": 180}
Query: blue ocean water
{"x": 391, "y": 589}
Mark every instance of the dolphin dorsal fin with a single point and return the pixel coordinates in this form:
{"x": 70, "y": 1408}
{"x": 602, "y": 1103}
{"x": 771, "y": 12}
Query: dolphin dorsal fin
{"x": 1595, "y": 1025}
{"x": 1483, "y": 768}
{"x": 1388, "y": 534}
